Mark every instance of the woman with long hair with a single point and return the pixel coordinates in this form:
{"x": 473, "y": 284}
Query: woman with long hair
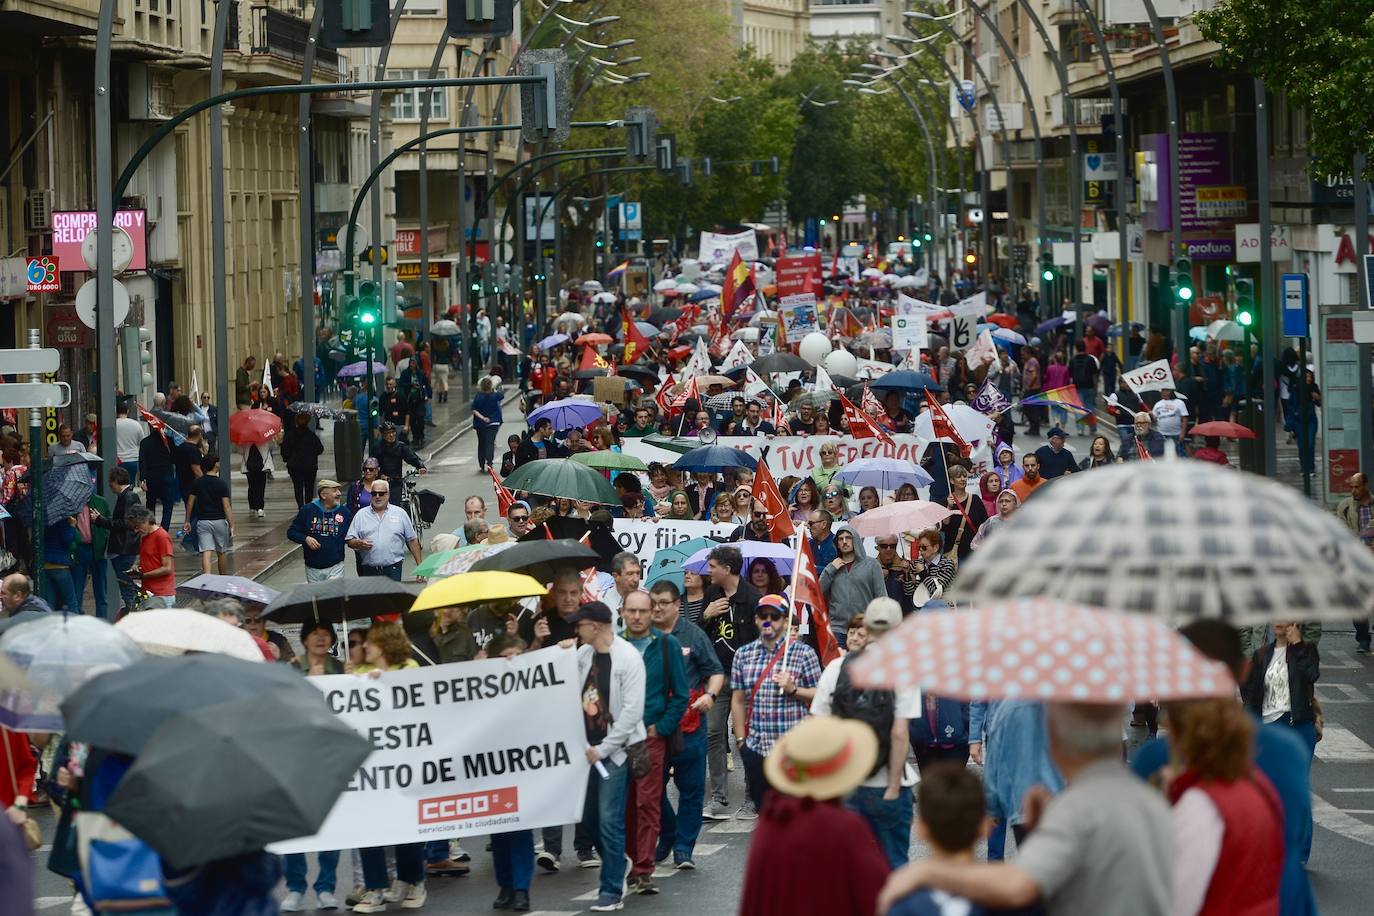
{"x": 868, "y": 499}
{"x": 1099, "y": 455}
{"x": 1228, "y": 820}
{"x": 906, "y": 493}
{"x": 763, "y": 575}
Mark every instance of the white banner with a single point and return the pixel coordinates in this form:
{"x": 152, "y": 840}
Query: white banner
{"x": 645, "y": 538}
{"x": 910, "y": 332}
{"x": 905, "y": 305}
{"x": 700, "y": 363}
{"x": 717, "y": 248}
{"x": 798, "y": 316}
{"x": 1155, "y": 376}
{"x": 981, "y": 348}
{"x": 873, "y": 368}
{"x": 471, "y": 748}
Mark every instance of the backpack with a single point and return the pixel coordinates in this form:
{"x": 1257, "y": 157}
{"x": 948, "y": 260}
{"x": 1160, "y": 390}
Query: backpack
{"x": 1083, "y": 370}
{"x": 875, "y": 708}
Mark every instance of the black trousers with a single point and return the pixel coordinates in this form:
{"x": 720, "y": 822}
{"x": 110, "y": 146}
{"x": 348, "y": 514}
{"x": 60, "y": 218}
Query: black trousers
{"x": 302, "y": 483}
{"x": 257, "y": 489}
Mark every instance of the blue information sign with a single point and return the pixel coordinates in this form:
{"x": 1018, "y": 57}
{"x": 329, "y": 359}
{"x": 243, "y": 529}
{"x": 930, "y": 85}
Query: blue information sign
{"x": 1294, "y": 291}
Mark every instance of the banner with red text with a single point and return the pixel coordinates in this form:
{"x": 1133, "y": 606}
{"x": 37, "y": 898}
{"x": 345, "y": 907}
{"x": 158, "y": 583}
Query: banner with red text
{"x": 477, "y": 747}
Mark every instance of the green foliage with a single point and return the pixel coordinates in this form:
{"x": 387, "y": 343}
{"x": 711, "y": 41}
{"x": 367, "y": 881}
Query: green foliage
{"x": 1319, "y": 52}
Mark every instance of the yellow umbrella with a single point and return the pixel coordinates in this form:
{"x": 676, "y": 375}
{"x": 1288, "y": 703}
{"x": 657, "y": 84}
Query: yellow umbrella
{"x": 476, "y": 588}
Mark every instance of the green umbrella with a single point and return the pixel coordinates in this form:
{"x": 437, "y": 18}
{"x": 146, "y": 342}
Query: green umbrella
{"x": 562, "y": 477}
{"x": 429, "y": 566}
{"x": 681, "y": 445}
{"x": 608, "y": 460}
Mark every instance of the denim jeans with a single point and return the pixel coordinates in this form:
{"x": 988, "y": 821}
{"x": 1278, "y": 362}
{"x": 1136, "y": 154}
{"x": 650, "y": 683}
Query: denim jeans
{"x": 85, "y": 566}
{"x": 718, "y": 746}
{"x": 486, "y": 445}
{"x": 392, "y": 571}
{"x": 127, "y": 587}
{"x": 294, "y": 866}
{"x": 410, "y": 865}
{"x": 605, "y": 808}
{"x": 1307, "y": 731}
{"x": 755, "y": 782}
{"x": 889, "y": 818}
{"x": 59, "y": 590}
{"x": 132, "y": 468}
{"x": 512, "y": 857}
{"x": 678, "y": 830}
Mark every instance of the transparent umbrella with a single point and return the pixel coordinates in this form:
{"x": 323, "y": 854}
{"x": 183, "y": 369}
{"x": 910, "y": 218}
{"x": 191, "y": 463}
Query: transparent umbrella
{"x": 58, "y": 654}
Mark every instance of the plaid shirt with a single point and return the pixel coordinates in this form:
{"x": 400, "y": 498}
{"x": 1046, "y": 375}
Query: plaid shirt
{"x": 772, "y": 713}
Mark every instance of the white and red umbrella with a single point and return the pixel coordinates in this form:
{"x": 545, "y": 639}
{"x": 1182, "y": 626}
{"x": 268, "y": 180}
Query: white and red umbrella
{"x": 1041, "y": 649}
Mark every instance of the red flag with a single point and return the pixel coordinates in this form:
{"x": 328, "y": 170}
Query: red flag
{"x": 1143, "y": 452}
{"x": 593, "y": 360}
{"x": 860, "y": 426}
{"x": 874, "y": 408}
{"x": 942, "y": 427}
{"x": 665, "y": 403}
{"x": 766, "y": 491}
{"x": 689, "y": 392}
{"x": 738, "y": 286}
{"x": 588, "y": 575}
{"x": 636, "y": 344}
{"x": 504, "y": 497}
{"x": 806, "y": 592}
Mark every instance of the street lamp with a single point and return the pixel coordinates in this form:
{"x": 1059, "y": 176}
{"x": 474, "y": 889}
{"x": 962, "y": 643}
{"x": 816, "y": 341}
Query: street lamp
{"x": 618, "y": 43}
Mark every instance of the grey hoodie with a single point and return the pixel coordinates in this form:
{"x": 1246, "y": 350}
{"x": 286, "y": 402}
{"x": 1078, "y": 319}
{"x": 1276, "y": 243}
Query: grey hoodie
{"x": 848, "y": 589}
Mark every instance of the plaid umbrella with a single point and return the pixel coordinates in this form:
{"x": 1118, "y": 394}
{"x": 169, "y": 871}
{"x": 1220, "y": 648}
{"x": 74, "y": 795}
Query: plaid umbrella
{"x": 66, "y": 488}
{"x": 1179, "y": 539}
{"x": 1041, "y": 649}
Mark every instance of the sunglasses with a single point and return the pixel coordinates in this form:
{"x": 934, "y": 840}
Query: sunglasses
{"x": 381, "y": 492}
{"x": 760, "y": 515}
{"x": 519, "y": 518}
{"x": 831, "y": 494}
{"x": 815, "y": 524}
{"x": 887, "y": 546}
{"x": 773, "y": 615}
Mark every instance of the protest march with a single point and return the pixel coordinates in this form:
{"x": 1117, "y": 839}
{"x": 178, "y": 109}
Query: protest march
{"x": 874, "y": 571}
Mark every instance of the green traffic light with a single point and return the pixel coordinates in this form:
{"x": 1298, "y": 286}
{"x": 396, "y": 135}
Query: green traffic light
{"x": 1185, "y": 293}
{"x": 1245, "y": 319}
{"x": 928, "y": 237}
{"x": 367, "y": 317}
{"x": 915, "y": 243}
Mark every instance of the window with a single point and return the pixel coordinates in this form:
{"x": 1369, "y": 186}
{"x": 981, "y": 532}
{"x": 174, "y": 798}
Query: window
{"x": 405, "y": 103}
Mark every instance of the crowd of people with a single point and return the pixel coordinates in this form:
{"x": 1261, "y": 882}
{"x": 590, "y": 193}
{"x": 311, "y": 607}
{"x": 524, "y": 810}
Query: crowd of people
{"x": 746, "y": 660}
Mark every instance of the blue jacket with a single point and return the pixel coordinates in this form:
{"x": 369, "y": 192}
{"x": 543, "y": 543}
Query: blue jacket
{"x": 1016, "y": 754}
{"x": 661, "y": 711}
{"x": 328, "y": 526}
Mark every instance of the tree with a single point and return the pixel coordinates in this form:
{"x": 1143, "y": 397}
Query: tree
{"x": 1319, "y": 52}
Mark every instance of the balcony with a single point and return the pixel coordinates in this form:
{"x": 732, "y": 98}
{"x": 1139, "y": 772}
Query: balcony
{"x": 1058, "y": 12}
{"x": 276, "y": 42}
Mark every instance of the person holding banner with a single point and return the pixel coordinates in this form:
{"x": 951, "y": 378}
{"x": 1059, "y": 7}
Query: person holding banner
{"x": 512, "y": 854}
{"x": 612, "y": 674}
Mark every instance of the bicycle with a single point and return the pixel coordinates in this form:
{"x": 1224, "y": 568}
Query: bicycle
{"x": 410, "y": 499}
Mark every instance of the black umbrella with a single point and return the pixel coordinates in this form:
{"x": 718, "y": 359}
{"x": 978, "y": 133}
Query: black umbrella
{"x": 337, "y": 600}
{"x": 231, "y": 778}
{"x": 120, "y": 710}
{"x": 590, "y": 373}
{"x": 542, "y": 559}
{"x": 640, "y": 373}
{"x": 781, "y": 361}
{"x": 662, "y": 316}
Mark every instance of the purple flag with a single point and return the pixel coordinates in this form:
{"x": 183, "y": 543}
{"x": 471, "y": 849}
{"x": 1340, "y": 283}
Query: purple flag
{"x": 989, "y": 400}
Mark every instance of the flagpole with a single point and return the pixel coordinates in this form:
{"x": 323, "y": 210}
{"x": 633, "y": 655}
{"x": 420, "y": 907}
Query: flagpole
{"x": 792, "y": 605}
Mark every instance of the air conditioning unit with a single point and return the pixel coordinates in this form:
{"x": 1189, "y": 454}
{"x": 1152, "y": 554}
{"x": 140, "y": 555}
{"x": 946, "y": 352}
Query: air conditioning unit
{"x": 151, "y": 96}
{"x": 38, "y": 210}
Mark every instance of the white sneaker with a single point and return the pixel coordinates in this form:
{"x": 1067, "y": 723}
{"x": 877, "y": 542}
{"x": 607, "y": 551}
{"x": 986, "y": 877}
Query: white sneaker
{"x": 326, "y": 901}
{"x": 394, "y": 893}
{"x": 372, "y": 902}
{"x": 416, "y": 895}
{"x": 293, "y": 902}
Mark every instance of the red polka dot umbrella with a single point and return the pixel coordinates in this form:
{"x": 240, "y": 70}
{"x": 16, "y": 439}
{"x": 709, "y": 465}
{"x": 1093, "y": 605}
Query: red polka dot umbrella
{"x": 1041, "y": 649}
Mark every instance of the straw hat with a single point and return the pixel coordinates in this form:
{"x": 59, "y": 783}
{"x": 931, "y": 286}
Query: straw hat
{"x": 496, "y": 534}
{"x": 822, "y": 757}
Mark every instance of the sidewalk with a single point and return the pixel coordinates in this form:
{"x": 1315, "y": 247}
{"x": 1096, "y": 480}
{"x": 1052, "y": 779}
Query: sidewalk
{"x": 260, "y": 544}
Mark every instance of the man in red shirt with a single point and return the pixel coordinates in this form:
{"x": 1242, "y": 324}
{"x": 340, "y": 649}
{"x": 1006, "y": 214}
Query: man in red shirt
{"x": 155, "y": 559}
{"x": 1095, "y": 345}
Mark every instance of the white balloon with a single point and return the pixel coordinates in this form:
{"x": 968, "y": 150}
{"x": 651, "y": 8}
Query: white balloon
{"x": 814, "y": 347}
{"x": 841, "y": 362}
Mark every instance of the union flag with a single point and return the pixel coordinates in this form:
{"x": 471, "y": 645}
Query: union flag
{"x": 806, "y": 593}
{"x": 874, "y": 408}
{"x": 860, "y": 425}
{"x": 504, "y": 497}
{"x": 942, "y": 427}
{"x": 766, "y": 491}
{"x": 593, "y": 360}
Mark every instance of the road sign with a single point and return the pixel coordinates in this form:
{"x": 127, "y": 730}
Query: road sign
{"x": 85, "y": 303}
{"x": 35, "y": 394}
{"x": 29, "y": 362}
{"x": 1295, "y": 322}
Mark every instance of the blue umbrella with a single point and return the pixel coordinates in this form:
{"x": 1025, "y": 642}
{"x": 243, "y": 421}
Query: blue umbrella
{"x": 883, "y": 473}
{"x": 1046, "y": 326}
{"x": 668, "y": 561}
{"x": 905, "y": 380}
{"x": 552, "y": 341}
{"x": 715, "y": 459}
{"x": 568, "y": 413}
{"x": 781, "y": 556}
{"x": 702, "y": 295}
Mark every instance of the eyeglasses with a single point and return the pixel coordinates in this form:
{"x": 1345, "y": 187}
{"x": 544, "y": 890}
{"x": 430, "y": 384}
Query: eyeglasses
{"x": 519, "y": 518}
{"x": 769, "y": 616}
{"x": 816, "y": 524}
{"x": 381, "y": 492}
{"x": 887, "y": 546}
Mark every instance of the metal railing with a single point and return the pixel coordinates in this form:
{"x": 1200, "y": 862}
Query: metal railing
{"x": 281, "y": 34}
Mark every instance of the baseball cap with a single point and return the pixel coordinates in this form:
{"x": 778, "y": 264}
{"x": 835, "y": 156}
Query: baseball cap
{"x": 882, "y": 614}
{"x": 770, "y": 603}
{"x": 1056, "y": 432}
{"x": 595, "y": 611}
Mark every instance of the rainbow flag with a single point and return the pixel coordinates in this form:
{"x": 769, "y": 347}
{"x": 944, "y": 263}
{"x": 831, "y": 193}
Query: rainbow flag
{"x": 1066, "y": 397}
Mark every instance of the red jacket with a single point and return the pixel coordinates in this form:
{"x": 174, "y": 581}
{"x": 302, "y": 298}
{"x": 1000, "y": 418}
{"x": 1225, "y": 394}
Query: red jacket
{"x": 17, "y": 767}
{"x": 1246, "y": 879}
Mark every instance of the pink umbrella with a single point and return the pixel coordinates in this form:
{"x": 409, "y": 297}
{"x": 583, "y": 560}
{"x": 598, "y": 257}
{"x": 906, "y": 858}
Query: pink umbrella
{"x": 896, "y": 518}
{"x": 1041, "y": 649}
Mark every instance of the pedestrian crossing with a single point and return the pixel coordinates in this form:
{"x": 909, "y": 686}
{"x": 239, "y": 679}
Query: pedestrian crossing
{"x": 1340, "y": 745}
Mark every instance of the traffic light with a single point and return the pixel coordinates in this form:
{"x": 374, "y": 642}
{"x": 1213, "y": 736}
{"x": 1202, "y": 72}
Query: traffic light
{"x": 369, "y": 306}
{"x": 600, "y": 242}
{"x": 1047, "y": 266}
{"x": 929, "y": 237}
{"x": 136, "y": 358}
{"x": 971, "y": 259}
{"x": 1245, "y": 302}
{"x": 1183, "y": 279}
